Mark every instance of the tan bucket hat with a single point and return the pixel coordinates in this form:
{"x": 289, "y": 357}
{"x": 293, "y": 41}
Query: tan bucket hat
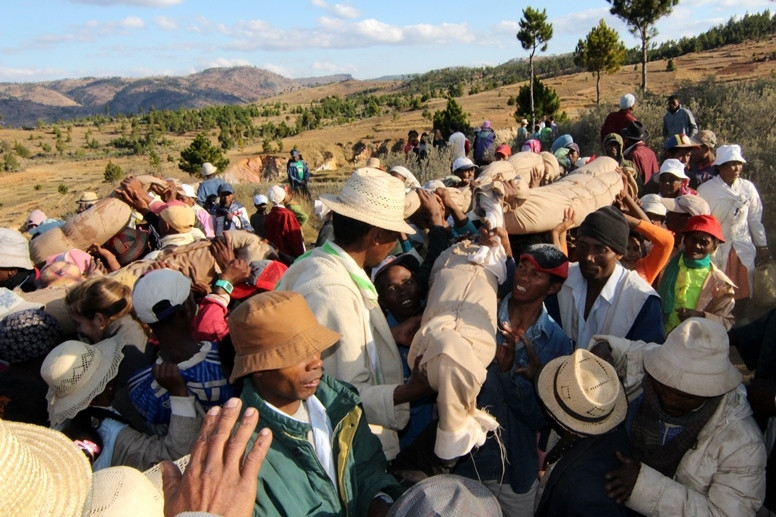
{"x": 275, "y": 330}
{"x": 125, "y": 492}
{"x": 371, "y": 196}
{"x": 694, "y": 359}
{"x": 582, "y": 393}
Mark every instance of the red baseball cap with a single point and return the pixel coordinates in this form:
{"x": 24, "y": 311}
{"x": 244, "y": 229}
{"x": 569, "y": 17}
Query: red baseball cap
{"x": 504, "y": 149}
{"x": 265, "y": 274}
{"x": 706, "y": 224}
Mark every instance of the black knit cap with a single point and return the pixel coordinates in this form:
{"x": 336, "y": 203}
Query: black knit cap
{"x": 608, "y": 226}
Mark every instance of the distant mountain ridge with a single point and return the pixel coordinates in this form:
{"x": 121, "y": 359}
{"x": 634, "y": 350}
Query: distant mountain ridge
{"x": 22, "y": 104}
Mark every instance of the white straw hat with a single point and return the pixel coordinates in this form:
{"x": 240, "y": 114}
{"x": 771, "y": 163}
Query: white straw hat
{"x": 260, "y": 199}
{"x": 76, "y": 373}
{"x": 582, "y": 393}
{"x": 371, "y": 196}
{"x": 208, "y": 169}
{"x": 125, "y": 492}
{"x": 188, "y": 190}
{"x": 729, "y": 153}
{"x": 694, "y": 359}
{"x": 42, "y": 472}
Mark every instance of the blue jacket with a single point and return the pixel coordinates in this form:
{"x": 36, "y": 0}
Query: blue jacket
{"x": 512, "y": 399}
{"x": 293, "y": 482}
{"x": 576, "y": 484}
{"x": 207, "y": 188}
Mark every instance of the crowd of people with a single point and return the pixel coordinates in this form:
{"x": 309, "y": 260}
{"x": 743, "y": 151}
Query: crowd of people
{"x": 164, "y": 351}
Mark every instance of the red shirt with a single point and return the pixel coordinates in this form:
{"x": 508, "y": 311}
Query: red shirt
{"x": 616, "y": 121}
{"x": 283, "y": 231}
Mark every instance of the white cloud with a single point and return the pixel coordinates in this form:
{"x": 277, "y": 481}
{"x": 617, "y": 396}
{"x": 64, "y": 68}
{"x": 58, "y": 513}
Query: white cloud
{"x": 132, "y": 22}
{"x": 327, "y": 67}
{"x": 223, "y": 62}
{"x": 339, "y": 10}
{"x": 135, "y": 3}
{"x": 165, "y": 23}
{"x": 332, "y": 32}
{"x": 10, "y": 74}
{"x": 278, "y": 69}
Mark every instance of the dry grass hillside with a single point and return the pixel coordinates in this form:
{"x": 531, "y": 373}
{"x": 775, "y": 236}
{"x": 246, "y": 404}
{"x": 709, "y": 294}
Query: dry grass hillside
{"x": 54, "y": 183}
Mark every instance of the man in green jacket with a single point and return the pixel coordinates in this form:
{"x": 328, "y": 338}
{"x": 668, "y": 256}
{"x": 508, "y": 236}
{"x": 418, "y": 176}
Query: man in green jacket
{"x": 324, "y": 460}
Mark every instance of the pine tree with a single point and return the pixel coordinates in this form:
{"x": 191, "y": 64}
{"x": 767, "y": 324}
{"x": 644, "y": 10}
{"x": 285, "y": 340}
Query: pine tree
{"x": 533, "y": 35}
{"x": 600, "y": 51}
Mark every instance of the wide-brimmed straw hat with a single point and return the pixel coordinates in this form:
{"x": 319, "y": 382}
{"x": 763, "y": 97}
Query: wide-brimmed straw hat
{"x": 694, "y": 359}
{"x": 125, "y": 492}
{"x": 208, "y": 169}
{"x": 371, "y": 196}
{"x": 76, "y": 373}
{"x": 88, "y": 197}
{"x": 42, "y": 472}
{"x": 582, "y": 393}
{"x": 264, "y": 340}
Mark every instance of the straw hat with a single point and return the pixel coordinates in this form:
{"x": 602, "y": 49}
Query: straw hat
{"x": 76, "y": 373}
{"x": 263, "y": 340}
{"x": 373, "y": 197}
{"x": 582, "y": 393}
{"x": 42, "y": 472}
{"x": 446, "y": 494}
{"x": 125, "y": 492}
{"x": 88, "y": 197}
{"x": 694, "y": 359}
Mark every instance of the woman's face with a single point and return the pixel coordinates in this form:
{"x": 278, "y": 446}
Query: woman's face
{"x": 730, "y": 171}
{"x": 90, "y": 328}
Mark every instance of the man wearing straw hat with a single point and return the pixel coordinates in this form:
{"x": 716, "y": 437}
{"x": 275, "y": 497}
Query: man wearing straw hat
{"x": 586, "y": 402}
{"x": 696, "y": 448}
{"x": 368, "y": 215}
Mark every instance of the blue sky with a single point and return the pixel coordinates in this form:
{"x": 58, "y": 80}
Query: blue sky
{"x": 54, "y": 39}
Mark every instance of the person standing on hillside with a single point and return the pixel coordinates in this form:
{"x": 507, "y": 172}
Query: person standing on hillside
{"x": 210, "y": 183}
{"x": 298, "y": 173}
{"x": 678, "y": 120}
{"x": 616, "y": 121}
{"x": 459, "y": 143}
{"x": 637, "y": 151}
{"x": 483, "y": 141}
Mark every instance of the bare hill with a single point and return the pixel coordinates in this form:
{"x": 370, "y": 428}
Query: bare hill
{"x": 22, "y": 104}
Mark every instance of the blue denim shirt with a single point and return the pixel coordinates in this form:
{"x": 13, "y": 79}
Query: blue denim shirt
{"x": 512, "y": 399}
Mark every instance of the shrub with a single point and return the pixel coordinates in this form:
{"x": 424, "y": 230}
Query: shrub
{"x": 199, "y": 152}
{"x": 670, "y": 66}
{"x": 62, "y": 188}
{"x": 546, "y": 100}
{"x": 20, "y": 150}
{"x": 11, "y": 163}
{"x": 113, "y": 173}
{"x": 38, "y": 187}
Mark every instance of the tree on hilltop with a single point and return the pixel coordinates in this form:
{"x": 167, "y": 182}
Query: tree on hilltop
{"x": 199, "y": 152}
{"x": 600, "y": 51}
{"x": 535, "y": 31}
{"x": 641, "y": 16}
